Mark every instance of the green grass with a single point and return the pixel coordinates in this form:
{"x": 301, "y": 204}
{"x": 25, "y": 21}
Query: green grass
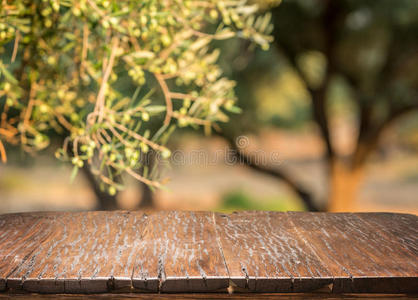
{"x": 239, "y": 200}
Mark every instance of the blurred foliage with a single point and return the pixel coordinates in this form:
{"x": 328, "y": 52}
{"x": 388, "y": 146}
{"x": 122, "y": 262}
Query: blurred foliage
{"x": 332, "y": 64}
{"x": 371, "y": 46}
{"x": 115, "y": 78}
{"x": 374, "y": 62}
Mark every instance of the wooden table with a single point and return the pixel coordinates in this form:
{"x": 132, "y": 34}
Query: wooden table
{"x": 182, "y": 252}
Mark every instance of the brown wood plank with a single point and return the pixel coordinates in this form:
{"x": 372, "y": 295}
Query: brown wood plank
{"x": 263, "y": 253}
{"x": 20, "y": 236}
{"x": 349, "y": 246}
{"x": 101, "y": 251}
{"x": 181, "y": 251}
{"x": 251, "y": 296}
{"x": 399, "y": 229}
{"x": 87, "y": 252}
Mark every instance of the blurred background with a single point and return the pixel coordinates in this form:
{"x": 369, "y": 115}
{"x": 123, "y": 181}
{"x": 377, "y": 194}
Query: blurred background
{"x": 329, "y": 122}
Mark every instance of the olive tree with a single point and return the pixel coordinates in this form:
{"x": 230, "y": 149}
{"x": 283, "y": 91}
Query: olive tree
{"x": 367, "y": 47}
{"x": 113, "y": 79}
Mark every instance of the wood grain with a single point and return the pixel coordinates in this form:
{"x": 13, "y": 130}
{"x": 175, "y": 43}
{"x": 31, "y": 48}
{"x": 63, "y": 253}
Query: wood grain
{"x": 84, "y": 253}
{"x": 251, "y": 296}
{"x": 264, "y": 253}
{"x": 359, "y": 256}
{"x": 177, "y": 252}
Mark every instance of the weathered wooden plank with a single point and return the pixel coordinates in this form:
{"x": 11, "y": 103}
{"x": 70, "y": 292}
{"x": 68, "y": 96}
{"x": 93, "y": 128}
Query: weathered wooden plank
{"x": 87, "y": 252}
{"x": 101, "y": 251}
{"x": 359, "y": 257}
{"x": 20, "y": 237}
{"x": 263, "y": 253}
{"x": 180, "y": 250}
{"x": 401, "y": 229}
{"x": 251, "y": 296}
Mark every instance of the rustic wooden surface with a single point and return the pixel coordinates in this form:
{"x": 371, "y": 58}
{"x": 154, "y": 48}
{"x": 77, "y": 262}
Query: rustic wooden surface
{"x": 177, "y": 252}
{"x": 189, "y": 296}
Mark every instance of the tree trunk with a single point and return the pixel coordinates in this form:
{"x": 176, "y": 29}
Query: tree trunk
{"x": 344, "y": 185}
{"x": 147, "y": 199}
{"x": 104, "y": 200}
{"x": 304, "y": 195}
